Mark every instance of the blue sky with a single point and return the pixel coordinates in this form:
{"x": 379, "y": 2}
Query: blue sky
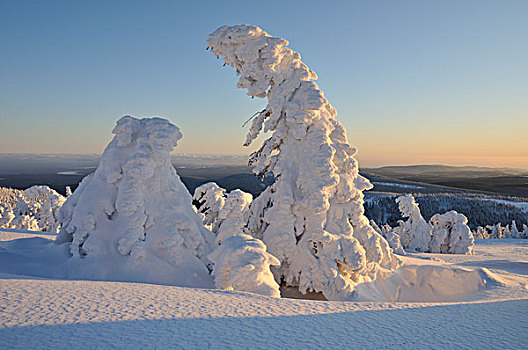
{"x": 413, "y": 81}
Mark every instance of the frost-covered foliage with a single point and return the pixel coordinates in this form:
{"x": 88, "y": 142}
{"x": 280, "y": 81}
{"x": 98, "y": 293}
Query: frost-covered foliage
{"x": 133, "y": 214}
{"x": 241, "y": 263}
{"x": 311, "y": 218}
{"x": 234, "y": 215}
{"x": 451, "y": 234}
{"x": 35, "y": 209}
{"x": 392, "y": 236}
{"x": 416, "y": 233}
{"x": 50, "y": 202}
{"x": 210, "y": 199}
{"x": 225, "y": 213}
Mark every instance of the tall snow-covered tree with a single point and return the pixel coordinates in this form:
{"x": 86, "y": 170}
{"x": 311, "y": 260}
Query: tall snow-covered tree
{"x": 133, "y": 218}
{"x": 311, "y": 218}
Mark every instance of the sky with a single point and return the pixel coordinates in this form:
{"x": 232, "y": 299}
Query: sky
{"x": 414, "y": 82}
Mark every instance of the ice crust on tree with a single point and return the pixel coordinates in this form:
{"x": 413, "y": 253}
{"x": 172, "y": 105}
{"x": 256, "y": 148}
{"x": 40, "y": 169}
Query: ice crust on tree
{"x": 416, "y": 232}
{"x": 241, "y": 263}
{"x": 451, "y": 234}
{"x": 133, "y": 218}
{"x": 311, "y": 218}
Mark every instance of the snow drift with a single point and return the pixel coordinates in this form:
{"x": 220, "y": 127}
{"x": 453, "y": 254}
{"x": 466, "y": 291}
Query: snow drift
{"x": 311, "y": 218}
{"x": 132, "y": 219}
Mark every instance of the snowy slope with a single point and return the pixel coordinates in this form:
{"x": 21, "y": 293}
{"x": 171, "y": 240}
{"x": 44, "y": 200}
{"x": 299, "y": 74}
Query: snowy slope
{"x": 36, "y": 312}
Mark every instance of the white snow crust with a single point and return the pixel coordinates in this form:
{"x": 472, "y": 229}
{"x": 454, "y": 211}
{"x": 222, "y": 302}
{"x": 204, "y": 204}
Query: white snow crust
{"x": 311, "y": 218}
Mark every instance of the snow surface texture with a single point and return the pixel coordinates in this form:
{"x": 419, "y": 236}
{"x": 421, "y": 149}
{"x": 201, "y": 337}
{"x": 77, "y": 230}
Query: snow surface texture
{"x": 133, "y": 219}
{"x": 44, "y": 313}
{"x": 311, "y": 218}
{"x": 451, "y": 234}
{"x": 35, "y": 209}
{"x": 240, "y": 261}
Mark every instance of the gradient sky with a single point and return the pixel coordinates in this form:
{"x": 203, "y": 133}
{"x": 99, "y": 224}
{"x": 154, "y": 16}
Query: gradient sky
{"x": 414, "y": 82}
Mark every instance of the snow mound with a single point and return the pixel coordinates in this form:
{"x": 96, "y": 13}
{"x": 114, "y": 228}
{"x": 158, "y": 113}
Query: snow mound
{"x": 311, "y": 218}
{"x": 428, "y": 283}
{"x": 241, "y": 263}
{"x": 133, "y": 219}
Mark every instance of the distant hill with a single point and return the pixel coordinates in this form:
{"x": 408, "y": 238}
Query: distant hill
{"x": 505, "y": 181}
{"x": 444, "y": 170}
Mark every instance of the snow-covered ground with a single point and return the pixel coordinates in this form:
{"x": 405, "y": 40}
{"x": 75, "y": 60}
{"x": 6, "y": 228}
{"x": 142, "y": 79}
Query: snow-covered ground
{"x": 37, "y": 312}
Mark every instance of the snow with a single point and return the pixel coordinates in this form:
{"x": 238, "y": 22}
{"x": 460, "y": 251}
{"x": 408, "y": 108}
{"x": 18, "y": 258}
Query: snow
{"x": 36, "y": 312}
{"x": 393, "y": 184}
{"x": 241, "y": 263}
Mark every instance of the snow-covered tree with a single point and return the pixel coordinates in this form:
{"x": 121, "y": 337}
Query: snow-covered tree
{"x": 524, "y": 233}
{"x": 481, "y": 233}
{"x": 392, "y": 236}
{"x": 134, "y": 215}
{"x": 514, "y": 230}
{"x": 6, "y": 215}
{"x": 416, "y": 233}
{"x": 50, "y": 202}
{"x": 311, "y": 218}
{"x": 234, "y": 215}
{"x": 241, "y": 263}
{"x": 451, "y": 234}
{"x": 210, "y": 199}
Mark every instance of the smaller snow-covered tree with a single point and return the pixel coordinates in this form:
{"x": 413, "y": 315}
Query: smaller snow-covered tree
{"x": 6, "y": 215}
{"x": 392, "y": 236}
{"x": 416, "y": 233}
{"x": 234, "y": 215}
{"x": 514, "y": 230}
{"x": 481, "y": 233}
{"x": 451, "y": 234}
{"x": 50, "y": 202}
{"x": 524, "y": 233}
{"x": 241, "y": 263}
{"x": 209, "y": 199}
